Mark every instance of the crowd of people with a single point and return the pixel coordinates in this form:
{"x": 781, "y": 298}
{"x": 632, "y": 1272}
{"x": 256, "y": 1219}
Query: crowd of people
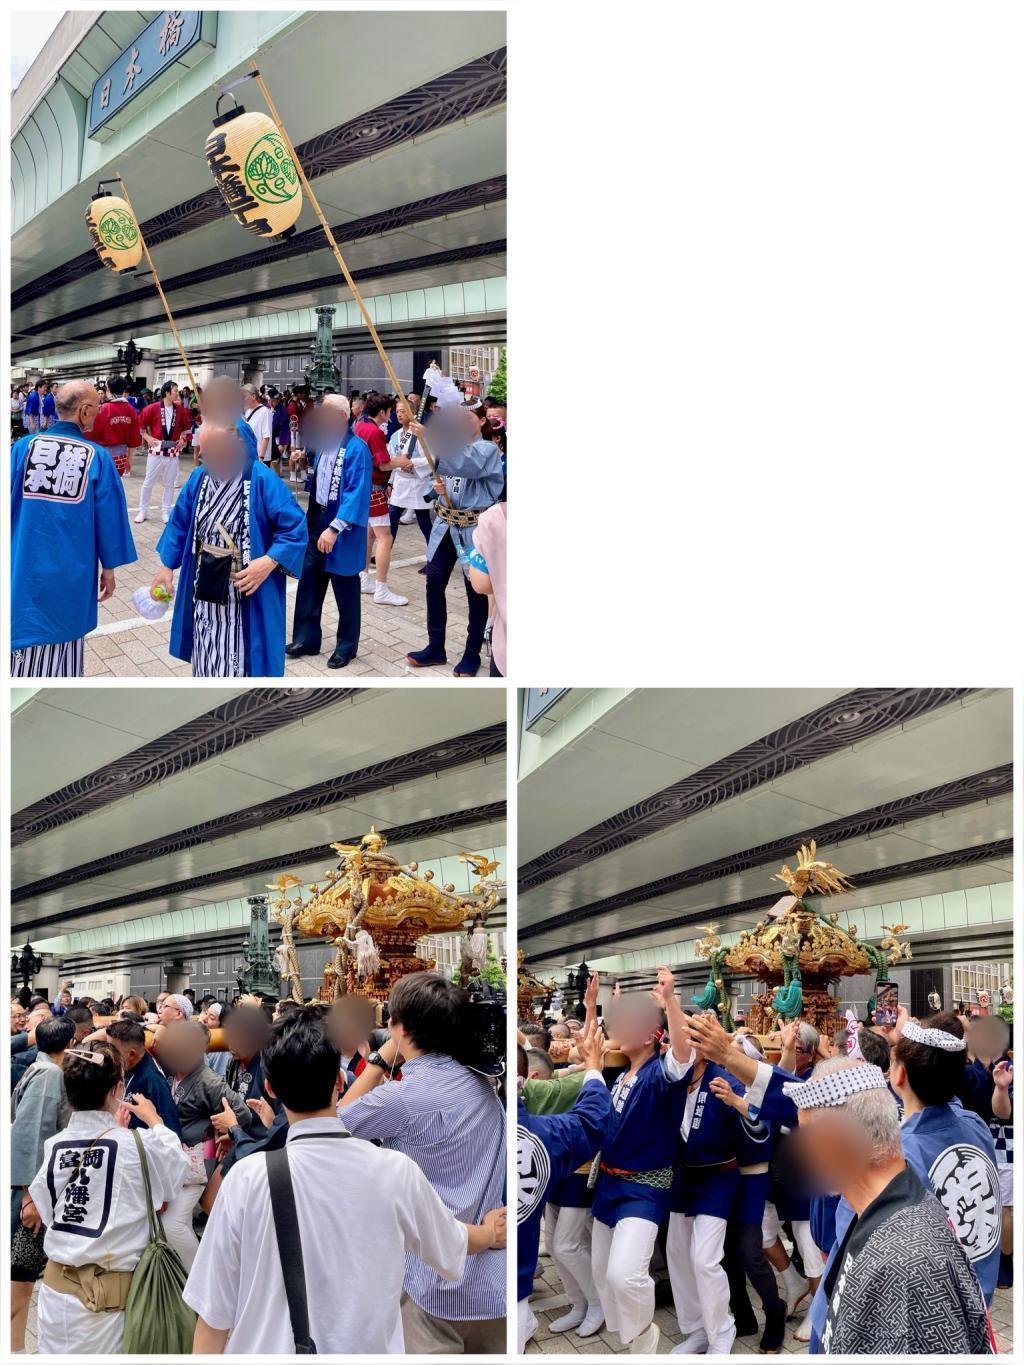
{"x": 237, "y": 529}
{"x": 861, "y": 1184}
{"x": 286, "y": 1237}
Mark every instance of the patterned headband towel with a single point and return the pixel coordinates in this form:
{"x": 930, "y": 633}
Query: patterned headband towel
{"x": 835, "y": 1087}
{"x": 96, "y": 1058}
{"x": 933, "y": 1037}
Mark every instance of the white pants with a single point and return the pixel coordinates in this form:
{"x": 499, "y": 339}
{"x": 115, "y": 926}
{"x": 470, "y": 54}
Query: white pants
{"x": 526, "y": 1325}
{"x": 771, "y": 1228}
{"x": 700, "y": 1286}
{"x": 177, "y": 1221}
{"x": 567, "y": 1235}
{"x": 67, "y": 1328}
{"x": 163, "y": 470}
{"x": 620, "y": 1259}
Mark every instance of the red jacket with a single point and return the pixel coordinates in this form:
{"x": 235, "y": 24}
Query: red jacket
{"x": 116, "y": 424}
{"x": 152, "y": 421}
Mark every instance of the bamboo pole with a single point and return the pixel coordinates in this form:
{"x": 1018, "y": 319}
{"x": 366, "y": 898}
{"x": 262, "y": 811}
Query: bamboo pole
{"x": 396, "y": 386}
{"x": 160, "y": 291}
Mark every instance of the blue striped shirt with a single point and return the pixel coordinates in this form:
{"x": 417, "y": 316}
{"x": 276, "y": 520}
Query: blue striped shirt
{"x": 452, "y": 1124}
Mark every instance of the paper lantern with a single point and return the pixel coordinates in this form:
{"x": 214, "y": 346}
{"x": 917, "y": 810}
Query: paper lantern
{"x": 254, "y": 172}
{"x": 115, "y": 233}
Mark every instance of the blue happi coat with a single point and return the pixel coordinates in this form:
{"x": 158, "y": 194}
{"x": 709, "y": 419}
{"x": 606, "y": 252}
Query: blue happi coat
{"x": 349, "y": 501}
{"x": 645, "y": 1138}
{"x": 713, "y": 1139}
{"x": 275, "y": 528}
{"x": 472, "y": 478}
{"x": 69, "y": 518}
{"x": 549, "y": 1147}
{"x": 754, "y": 1148}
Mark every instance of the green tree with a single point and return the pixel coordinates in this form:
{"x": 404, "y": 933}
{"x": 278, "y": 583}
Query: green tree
{"x": 499, "y": 380}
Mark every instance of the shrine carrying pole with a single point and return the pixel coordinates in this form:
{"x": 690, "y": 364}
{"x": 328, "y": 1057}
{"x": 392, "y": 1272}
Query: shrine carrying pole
{"x": 385, "y": 361}
{"x": 160, "y": 291}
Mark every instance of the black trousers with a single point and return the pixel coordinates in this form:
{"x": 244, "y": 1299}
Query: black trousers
{"x": 745, "y": 1258}
{"x": 422, "y": 519}
{"x": 439, "y": 571}
{"x": 309, "y": 603}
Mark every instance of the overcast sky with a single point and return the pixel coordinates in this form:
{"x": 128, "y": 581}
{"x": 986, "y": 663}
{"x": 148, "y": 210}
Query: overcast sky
{"x": 29, "y": 32}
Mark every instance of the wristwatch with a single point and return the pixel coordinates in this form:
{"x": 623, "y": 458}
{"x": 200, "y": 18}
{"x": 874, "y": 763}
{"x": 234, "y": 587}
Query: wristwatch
{"x": 375, "y": 1059}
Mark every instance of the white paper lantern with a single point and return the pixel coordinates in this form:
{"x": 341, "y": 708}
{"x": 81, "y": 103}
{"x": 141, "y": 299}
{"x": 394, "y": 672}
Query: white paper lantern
{"x": 254, "y": 172}
{"x": 115, "y": 233}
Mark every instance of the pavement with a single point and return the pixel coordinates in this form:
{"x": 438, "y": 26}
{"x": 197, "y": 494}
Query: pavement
{"x": 547, "y": 1283}
{"x": 126, "y": 645}
{"x": 607, "y": 1343}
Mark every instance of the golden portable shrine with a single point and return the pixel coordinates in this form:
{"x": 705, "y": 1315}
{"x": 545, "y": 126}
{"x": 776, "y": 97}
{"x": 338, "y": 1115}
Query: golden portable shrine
{"x": 797, "y": 953}
{"x": 530, "y": 990}
{"x": 375, "y": 911}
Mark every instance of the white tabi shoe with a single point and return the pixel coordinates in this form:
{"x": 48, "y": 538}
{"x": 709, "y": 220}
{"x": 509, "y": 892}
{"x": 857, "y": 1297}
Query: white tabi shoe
{"x": 795, "y": 1289}
{"x": 408, "y": 517}
{"x": 692, "y": 1344}
{"x": 647, "y": 1342}
{"x": 139, "y": 518}
{"x": 593, "y": 1322}
{"x": 383, "y": 594}
{"x": 803, "y": 1332}
{"x": 366, "y": 584}
{"x": 569, "y": 1320}
{"x": 167, "y": 517}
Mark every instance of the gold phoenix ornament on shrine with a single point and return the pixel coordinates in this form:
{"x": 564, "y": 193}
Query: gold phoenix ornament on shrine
{"x": 797, "y": 952}
{"x": 115, "y": 233}
{"x": 375, "y": 911}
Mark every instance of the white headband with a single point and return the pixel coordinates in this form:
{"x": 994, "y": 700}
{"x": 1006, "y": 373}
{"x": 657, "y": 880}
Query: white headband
{"x": 933, "y": 1037}
{"x": 751, "y": 1048}
{"x": 835, "y": 1087}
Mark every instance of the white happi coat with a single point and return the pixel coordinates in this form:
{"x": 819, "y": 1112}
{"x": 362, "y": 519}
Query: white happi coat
{"x": 98, "y": 1219}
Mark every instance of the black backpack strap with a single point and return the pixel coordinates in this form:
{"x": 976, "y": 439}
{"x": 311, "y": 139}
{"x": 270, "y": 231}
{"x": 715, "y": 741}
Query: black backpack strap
{"x": 289, "y": 1247}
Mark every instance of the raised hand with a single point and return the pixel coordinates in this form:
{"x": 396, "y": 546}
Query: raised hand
{"x": 722, "y": 1090}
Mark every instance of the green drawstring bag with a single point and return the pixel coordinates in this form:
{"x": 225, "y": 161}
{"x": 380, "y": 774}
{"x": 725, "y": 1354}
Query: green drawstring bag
{"x": 157, "y": 1320}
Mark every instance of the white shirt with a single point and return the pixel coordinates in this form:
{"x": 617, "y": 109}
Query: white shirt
{"x": 100, "y": 1216}
{"x": 261, "y": 420}
{"x": 409, "y": 486}
{"x": 360, "y": 1209}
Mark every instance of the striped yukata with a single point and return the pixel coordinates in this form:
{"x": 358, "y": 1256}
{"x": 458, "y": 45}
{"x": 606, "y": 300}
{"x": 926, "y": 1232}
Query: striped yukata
{"x": 449, "y": 1120}
{"x": 218, "y": 649}
{"x": 65, "y": 660}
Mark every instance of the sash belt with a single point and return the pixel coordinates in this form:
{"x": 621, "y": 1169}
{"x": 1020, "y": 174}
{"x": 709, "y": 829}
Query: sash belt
{"x": 714, "y": 1167}
{"x": 660, "y": 1179}
{"x": 459, "y": 516}
{"x": 96, "y": 1288}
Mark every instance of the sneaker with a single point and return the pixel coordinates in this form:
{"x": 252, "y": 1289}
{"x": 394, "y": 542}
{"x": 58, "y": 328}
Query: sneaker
{"x": 803, "y": 1332}
{"x": 139, "y": 518}
{"x": 692, "y": 1344}
{"x": 646, "y": 1344}
{"x": 365, "y": 583}
{"x": 568, "y": 1320}
{"x": 383, "y": 594}
{"x": 593, "y": 1322}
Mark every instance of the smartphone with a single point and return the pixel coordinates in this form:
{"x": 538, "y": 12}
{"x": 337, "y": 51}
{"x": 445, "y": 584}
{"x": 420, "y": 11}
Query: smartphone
{"x": 886, "y": 1004}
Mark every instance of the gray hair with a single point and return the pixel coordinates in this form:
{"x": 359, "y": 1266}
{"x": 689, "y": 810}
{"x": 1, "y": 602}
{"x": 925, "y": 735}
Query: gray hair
{"x": 337, "y": 400}
{"x": 250, "y": 389}
{"x": 808, "y": 1037}
{"x": 874, "y": 1111}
